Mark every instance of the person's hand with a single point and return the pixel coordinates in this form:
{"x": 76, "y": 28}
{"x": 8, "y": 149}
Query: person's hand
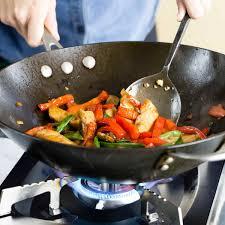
{"x": 195, "y": 8}
{"x": 29, "y": 17}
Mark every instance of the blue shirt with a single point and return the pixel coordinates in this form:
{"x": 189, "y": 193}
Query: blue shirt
{"x": 88, "y": 21}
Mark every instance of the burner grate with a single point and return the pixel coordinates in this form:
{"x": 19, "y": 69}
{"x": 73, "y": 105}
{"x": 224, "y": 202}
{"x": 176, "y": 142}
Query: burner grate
{"x": 148, "y": 206}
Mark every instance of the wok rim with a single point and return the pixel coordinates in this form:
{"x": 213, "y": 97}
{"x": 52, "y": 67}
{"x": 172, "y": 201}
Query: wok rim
{"x": 214, "y": 136}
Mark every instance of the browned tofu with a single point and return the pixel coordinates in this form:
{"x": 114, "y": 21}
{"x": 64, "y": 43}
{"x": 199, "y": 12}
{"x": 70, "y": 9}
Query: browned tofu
{"x": 146, "y": 119}
{"x": 58, "y": 115}
{"x": 51, "y": 135}
{"x": 86, "y": 117}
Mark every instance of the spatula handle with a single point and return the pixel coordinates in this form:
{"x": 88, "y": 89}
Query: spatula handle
{"x": 49, "y": 41}
{"x": 177, "y": 41}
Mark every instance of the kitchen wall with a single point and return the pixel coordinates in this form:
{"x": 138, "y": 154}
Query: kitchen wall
{"x": 207, "y": 32}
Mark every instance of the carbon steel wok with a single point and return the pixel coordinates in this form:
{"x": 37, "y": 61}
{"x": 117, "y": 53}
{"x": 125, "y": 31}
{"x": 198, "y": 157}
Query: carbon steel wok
{"x": 198, "y": 74}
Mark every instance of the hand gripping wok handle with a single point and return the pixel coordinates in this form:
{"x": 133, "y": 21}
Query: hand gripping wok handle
{"x": 211, "y": 157}
{"x": 49, "y": 41}
{"x": 176, "y": 43}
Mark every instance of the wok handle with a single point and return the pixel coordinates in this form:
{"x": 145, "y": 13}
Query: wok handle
{"x": 176, "y": 43}
{"x": 211, "y": 157}
{"x": 49, "y": 41}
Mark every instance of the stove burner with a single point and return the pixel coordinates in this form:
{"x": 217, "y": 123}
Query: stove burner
{"x": 104, "y": 196}
{"x": 95, "y": 202}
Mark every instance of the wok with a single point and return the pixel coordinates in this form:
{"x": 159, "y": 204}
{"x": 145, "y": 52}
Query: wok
{"x": 197, "y": 73}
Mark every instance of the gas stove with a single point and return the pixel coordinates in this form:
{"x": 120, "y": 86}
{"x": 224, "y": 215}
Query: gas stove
{"x": 33, "y": 193}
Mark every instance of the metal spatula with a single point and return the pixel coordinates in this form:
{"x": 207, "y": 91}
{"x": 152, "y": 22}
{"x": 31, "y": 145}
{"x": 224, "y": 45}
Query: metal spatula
{"x": 166, "y": 98}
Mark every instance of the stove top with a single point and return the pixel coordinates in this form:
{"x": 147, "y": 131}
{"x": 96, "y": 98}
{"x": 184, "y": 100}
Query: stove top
{"x": 33, "y": 193}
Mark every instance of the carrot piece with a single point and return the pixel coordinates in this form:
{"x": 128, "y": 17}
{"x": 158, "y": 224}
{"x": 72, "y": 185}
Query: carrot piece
{"x": 98, "y": 112}
{"x": 128, "y": 126}
{"x": 145, "y": 135}
{"x": 119, "y": 135}
{"x": 154, "y": 141}
{"x": 97, "y": 100}
{"x": 192, "y": 130}
{"x": 110, "y": 125}
{"x": 170, "y": 125}
{"x": 158, "y": 127}
{"x": 57, "y": 102}
{"x": 127, "y": 113}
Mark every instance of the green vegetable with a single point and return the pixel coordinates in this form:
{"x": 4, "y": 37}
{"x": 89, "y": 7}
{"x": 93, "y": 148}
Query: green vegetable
{"x": 179, "y": 141}
{"x": 123, "y": 141}
{"x": 106, "y": 115}
{"x": 74, "y": 136}
{"x": 171, "y": 137}
{"x": 121, "y": 145}
{"x": 62, "y": 125}
{"x": 96, "y": 142}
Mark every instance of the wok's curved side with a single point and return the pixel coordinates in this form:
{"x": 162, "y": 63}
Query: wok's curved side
{"x": 113, "y": 164}
{"x": 196, "y": 73}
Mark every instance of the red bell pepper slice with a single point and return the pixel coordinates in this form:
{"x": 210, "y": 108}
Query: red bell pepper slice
{"x": 217, "y": 111}
{"x": 192, "y": 130}
{"x": 206, "y": 130}
{"x": 115, "y": 131}
{"x": 110, "y": 125}
{"x": 170, "y": 125}
{"x": 145, "y": 135}
{"x": 158, "y": 127}
{"x": 128, "y": 126}
{"x": 57, "y": 102}
{"x": 154, "y": 141}
{"x": 130, "y": 114}
{"x": 99, "y": 113}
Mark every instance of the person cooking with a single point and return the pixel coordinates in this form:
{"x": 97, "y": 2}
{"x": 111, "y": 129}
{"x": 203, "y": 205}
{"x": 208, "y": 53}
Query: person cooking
{"x": 78, "y": 22}
{"x": 75, "y": 22}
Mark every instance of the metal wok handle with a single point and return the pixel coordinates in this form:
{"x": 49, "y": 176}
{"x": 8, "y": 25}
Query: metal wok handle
{"x": 49, "y": 41}
{"x": 211, "y": 157}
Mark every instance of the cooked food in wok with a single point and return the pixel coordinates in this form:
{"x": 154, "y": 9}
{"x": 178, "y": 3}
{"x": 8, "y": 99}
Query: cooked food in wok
{"x": 111, "y": 122}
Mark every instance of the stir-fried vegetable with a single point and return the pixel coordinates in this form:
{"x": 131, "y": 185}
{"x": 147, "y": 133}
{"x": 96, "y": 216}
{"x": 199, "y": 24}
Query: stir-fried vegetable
{"x": 96, "y": 142}
{"x": 57, "y": 102}
{"x": 129, "y": 127}
{"x": 64, "y": 123}
{"x": 74, "y": 136}
{"x": 34, "y": 130}
{"x": 99, "y": 99}
{"x": 110, "y": 122}
{"x": 192, "y": 130}
{"x": 171, "y": 137}
{"x": 158, "y": 127}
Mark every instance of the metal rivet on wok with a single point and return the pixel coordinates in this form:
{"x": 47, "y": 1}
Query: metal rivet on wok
{"x": 159, "y": 196}
{"x": 169, "y": 160}
{"x": 164, "y": 167}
